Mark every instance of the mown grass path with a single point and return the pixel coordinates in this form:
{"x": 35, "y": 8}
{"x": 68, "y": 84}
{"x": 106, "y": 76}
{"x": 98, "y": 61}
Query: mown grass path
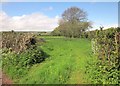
{"x": 65, "y": 65}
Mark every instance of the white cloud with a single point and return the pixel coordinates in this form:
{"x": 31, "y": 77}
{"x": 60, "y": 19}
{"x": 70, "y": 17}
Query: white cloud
{"x": 110, "y": 25}
{"x": 31, "y": 22}
{"x": 37, "y": 22}
{"x": 98, "y": 23}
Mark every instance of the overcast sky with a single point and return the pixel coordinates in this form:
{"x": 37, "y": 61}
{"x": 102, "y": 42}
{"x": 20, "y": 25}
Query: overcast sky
{"x": 44, "y": 16}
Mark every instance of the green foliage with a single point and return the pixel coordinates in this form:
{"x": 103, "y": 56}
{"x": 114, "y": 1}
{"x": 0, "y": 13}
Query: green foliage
{"x": 72, "y": 29}
{"x": 16, "y": 65}
{"x": 67, "y": 61}
{"x": 70, "y": 61}
{"x": 106, "y": 66}
{"x": 73, "y": 23}
{"x": 102, "y": 74}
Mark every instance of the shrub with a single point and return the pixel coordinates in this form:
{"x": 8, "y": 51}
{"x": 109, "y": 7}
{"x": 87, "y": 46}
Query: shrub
{"x": 20, "y": 51}
{"x": 16, "y": 64}
{"x": 106, "y": 67}
{"x": 15, "y": 40}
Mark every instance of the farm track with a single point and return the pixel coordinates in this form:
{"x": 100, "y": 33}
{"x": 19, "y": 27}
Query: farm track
{"x": 5, "y": 79}
{"x": 0, "y": 77}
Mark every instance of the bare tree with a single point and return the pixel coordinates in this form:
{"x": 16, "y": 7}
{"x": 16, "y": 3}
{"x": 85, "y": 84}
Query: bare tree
{"x": 74, "y": 14}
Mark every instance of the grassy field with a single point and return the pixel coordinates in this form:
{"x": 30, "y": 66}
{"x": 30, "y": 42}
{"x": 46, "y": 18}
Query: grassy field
{"x": 65, "y": 65}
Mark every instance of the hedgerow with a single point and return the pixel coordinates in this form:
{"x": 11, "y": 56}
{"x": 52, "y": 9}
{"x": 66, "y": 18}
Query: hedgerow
{"x": 106, "y": 46}
{"x": 16, "y": 41}
{"x": 20, "y": 51}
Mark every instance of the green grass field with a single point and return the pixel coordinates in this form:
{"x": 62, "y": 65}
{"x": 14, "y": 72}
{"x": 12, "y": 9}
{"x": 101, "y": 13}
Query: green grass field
{"x": 65, "y": 65}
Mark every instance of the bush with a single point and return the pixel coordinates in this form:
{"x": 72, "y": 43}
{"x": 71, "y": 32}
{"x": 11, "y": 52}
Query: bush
{"x": 106, "y": 69}
{"x": 32, "y": 56}
{"x": 17, "y": 64}
{"x": 15, "y": 40}
{"x": 20, "y": 51}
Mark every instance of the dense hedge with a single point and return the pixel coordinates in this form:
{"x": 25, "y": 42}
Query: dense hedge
{"x": 106, "y": 46}
{"x": 17, "y": 65}
{"x": 16, "y": 41}
{"x": 20, "y": 51}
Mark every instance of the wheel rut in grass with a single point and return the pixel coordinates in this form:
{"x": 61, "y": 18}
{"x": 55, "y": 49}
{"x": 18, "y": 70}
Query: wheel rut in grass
{"x": 6, "y": 79}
